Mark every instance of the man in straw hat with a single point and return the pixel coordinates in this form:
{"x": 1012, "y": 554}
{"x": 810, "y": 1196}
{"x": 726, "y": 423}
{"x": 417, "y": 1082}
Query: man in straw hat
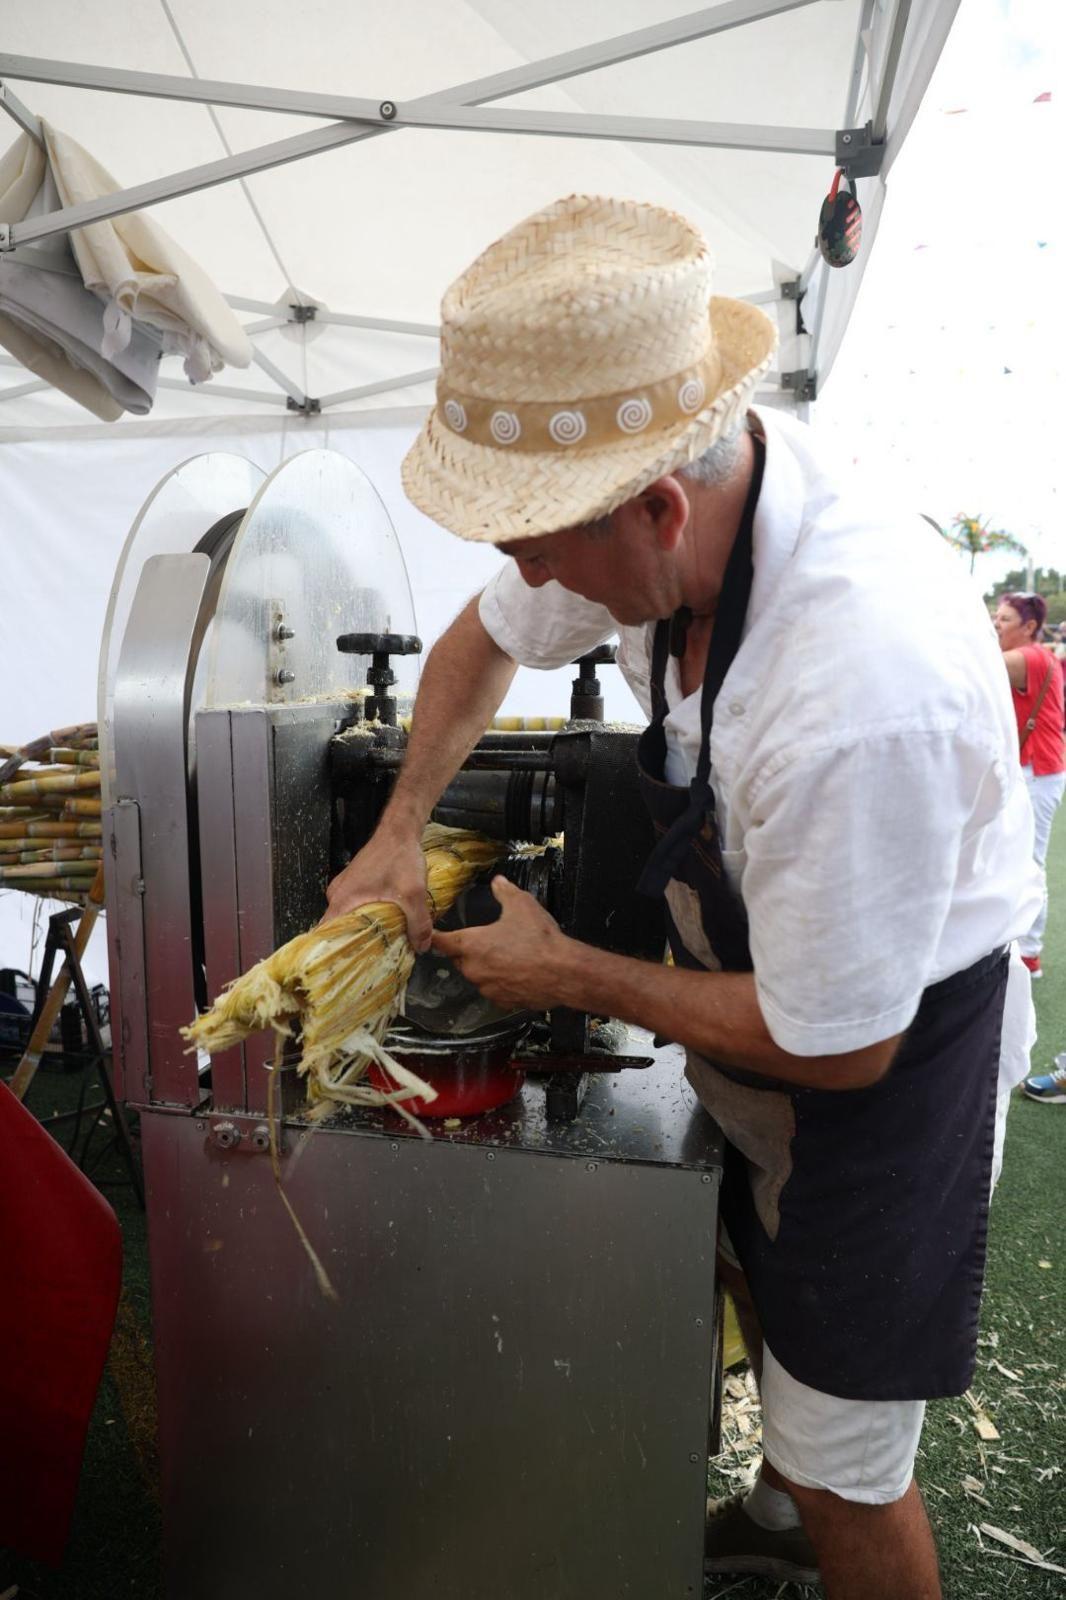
{"x": 844, "y": 838}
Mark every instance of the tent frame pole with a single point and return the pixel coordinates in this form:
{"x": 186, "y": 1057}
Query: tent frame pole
{"x": 532, "y": 75}
{"x": 640, "y": 130}
{"x": 10, "y": 102}
{"x": 624, "y": 47}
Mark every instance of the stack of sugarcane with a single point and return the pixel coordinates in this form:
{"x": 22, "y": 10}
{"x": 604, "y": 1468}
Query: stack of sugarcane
{"x": 50, "y": 829}
{"x": 343, "y": 983}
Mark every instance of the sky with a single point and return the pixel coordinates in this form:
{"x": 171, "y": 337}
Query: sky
{"x": 950, "y": 374}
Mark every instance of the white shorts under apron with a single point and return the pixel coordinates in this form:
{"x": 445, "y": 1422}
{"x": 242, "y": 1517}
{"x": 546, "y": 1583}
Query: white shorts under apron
{"x": 861, "y": 1450}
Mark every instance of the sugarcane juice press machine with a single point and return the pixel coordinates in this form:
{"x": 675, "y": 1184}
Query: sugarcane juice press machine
{"x": 513, "y": 1396}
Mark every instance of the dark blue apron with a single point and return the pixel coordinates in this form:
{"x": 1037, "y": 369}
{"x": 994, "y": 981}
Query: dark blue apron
{"x": 859, "y": 1216}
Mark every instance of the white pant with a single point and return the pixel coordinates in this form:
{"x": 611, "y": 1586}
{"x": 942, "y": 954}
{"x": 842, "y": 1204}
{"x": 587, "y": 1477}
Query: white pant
{"x": 861, "y": 1450}
{"x": 1044, "y": 796}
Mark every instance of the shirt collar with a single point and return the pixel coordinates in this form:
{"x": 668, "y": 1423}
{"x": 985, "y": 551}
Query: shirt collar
{"x": 779, "y": 512}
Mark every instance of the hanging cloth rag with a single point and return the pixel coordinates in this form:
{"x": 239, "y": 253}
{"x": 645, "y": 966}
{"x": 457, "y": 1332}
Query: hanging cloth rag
{"x": 53, "y": 324}
{"x": 141, "y": 274}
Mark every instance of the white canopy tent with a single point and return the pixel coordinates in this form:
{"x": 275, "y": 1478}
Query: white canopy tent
{"x": 338, "y": 165}
{"x": 436, "y": 127}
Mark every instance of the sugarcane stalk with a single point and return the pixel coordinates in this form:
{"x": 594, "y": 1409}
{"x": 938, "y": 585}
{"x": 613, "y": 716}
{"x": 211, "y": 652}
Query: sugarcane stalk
{"x": 50, "y": 783}
{"x": 73, "y": 758}
{"x": 46, "y": 870}
{"x": 38, "y": 828}
{"x": 15, "y": 850}
{"x": 81, "y": 808}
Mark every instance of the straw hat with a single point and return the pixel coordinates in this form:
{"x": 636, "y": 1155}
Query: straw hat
{"x": 582, "y": 357}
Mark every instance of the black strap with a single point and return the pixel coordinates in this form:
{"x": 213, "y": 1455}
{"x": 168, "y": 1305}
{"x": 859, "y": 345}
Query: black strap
{"x": 725, "y": 641}
{"x": 728, "y": 624}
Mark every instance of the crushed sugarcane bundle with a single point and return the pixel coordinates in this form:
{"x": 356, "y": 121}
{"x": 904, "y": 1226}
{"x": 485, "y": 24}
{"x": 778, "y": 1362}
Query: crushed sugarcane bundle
{"x": 343, "y": 983}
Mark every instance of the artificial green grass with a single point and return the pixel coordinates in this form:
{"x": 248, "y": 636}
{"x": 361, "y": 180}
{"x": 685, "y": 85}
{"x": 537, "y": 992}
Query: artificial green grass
{"x": 114, "y": 1547}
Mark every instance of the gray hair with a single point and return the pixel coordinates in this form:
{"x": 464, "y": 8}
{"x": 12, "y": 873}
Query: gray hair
{"x": 715, "y": 466}
{"x": 710, "y": 470}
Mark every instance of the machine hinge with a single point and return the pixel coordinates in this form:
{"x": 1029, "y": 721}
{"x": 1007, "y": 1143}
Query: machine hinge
{"x": 858, "y": 153}
{"x": 309, "y": 407}
{"x": 804, "y": 384}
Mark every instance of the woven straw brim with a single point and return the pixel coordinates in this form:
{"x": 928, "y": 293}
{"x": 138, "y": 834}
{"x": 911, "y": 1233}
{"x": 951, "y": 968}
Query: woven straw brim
{"x": 492, "y": 495}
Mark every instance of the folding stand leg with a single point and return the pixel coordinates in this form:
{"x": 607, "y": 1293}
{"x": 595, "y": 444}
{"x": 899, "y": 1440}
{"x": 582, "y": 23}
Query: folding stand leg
{"x": 66, "y": 943}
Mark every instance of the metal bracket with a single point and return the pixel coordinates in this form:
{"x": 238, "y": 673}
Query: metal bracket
{"x": 858, "y": 153}
{"x": 303, "y": 313}
{"x": 804, "y": 384}
{"x": 309, "y": 407}
{"x": 795, "y": 289}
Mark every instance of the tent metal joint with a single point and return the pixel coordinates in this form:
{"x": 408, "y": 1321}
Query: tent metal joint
{"x": 6, "y": 242}
{"x": 301, "y": 314}
{"x": 858, "y": 153}
{"x": 308, "y": 407}
{"x": 794, "y": 290}
{"x": 802, "y": 383}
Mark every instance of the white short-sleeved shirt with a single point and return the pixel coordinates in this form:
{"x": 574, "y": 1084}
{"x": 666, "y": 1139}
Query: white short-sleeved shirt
{"x": 864, "y": 755}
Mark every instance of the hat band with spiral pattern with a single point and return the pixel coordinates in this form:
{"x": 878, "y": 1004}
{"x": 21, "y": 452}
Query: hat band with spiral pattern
{"x": 580, "y": 424}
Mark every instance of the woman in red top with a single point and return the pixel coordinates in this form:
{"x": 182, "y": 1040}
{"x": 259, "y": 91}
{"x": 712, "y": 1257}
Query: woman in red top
{"x": 1036, "y": 680}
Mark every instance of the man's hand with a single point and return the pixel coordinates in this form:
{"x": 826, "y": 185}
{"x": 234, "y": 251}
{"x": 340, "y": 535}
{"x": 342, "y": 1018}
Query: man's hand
{"x": 517, "y": 961}
{"x": 391, "y": 867}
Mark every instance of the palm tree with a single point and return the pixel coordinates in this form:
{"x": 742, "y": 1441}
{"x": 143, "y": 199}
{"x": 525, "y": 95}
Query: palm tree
{"x": 973, "y": 537}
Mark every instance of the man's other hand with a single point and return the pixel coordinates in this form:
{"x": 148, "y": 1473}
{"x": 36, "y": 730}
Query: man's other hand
{"x": 391, "y": 867}
{"x": 519, "y": 959}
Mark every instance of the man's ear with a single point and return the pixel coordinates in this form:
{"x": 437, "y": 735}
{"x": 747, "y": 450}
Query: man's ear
{"x": 666, "y": 504}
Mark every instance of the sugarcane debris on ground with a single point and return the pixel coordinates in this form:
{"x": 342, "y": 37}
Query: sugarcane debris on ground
{"x": 342, "y": 983}
{"x": 50, "y": 814}
{"x": 1003, "y": 1465}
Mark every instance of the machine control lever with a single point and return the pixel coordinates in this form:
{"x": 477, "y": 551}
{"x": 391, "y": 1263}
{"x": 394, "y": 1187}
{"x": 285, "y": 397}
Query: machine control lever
{"x": 586, "y": 697}
{"x": 380, "y": 705}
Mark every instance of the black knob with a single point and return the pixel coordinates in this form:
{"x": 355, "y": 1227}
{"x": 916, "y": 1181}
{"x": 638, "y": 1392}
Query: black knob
{"x": 380, "y": 644}
{"x": 380, "y": 706}
{"x": 586, "y": 701}
{"x": 603, "y": 655}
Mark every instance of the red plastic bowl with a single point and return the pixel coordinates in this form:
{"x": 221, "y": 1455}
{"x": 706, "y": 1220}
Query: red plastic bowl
{"x": 471, "y": 1075}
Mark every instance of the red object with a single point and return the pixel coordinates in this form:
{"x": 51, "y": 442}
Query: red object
{"x": 1044, "y": 746}
{"x": 61, "y": 1271}
{"x": 1033, "y": 963}
{"x": 464, "y": 1088}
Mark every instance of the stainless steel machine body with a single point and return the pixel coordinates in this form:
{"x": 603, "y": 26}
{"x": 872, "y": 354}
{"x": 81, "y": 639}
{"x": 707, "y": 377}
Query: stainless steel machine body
{"x": 514, "y": 1393}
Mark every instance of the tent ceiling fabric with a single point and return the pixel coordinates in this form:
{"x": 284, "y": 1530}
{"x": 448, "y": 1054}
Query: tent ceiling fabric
{"x": 379, "y": 228}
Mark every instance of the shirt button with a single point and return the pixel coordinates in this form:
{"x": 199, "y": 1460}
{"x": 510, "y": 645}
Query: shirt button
{"x": 736, "y": 708}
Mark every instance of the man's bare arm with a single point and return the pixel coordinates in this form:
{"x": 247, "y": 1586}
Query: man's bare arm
{"x": 525, "y": 959}
{"x": 465, "y": 678}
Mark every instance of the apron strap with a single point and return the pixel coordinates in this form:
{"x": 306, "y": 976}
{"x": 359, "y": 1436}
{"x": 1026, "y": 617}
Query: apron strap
{"x": 725, "y": 641}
